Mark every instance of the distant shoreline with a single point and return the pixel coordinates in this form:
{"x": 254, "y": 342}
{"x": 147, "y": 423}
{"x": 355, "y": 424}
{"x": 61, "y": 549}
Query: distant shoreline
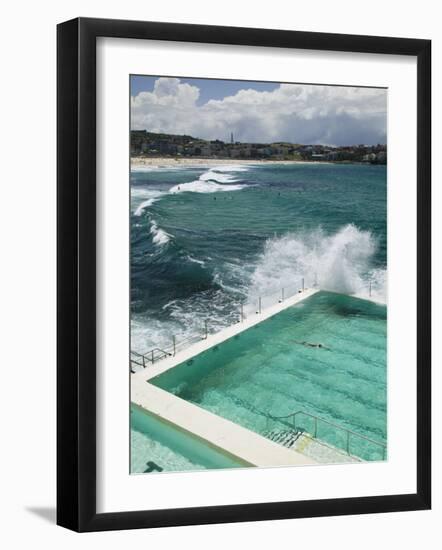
{"x": 167, "y": 162}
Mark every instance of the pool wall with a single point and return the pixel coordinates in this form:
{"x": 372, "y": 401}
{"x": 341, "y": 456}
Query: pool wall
{"x": 236, "y": 442}
{"x": 181, "y": 442}
{"x": 224, "y": 435}
{"x": 213, "y": 339}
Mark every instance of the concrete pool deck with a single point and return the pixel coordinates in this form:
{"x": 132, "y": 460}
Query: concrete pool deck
{"x": 164, "y": 365}
{"x": 222, "y": 434}
{"x": 247, "y": 446}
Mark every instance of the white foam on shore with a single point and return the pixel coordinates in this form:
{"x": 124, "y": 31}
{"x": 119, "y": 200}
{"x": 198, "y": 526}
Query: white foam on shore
{"x": 155, "y": 168}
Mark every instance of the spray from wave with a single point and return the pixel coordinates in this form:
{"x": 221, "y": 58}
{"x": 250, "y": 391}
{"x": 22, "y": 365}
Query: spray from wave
{"x": 186, "y": 320}
{"x": 341, "y": 262}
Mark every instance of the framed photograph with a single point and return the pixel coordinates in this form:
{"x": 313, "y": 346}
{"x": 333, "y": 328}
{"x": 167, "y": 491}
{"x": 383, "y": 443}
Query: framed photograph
{"x": 243, "y": 274}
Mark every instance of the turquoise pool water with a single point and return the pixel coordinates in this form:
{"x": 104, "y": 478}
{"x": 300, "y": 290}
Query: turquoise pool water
{"x": 269, "y": 370}
{"x": 160, "y": 447}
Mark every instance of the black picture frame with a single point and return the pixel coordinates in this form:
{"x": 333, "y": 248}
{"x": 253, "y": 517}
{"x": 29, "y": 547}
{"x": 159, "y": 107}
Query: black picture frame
{"x": 76, "y": 274}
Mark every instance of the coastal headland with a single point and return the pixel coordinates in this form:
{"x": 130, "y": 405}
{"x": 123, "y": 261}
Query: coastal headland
{"x": 148, "y": 145}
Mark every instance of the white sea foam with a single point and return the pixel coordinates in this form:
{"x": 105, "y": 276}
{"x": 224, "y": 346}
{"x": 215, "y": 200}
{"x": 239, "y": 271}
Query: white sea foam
{"x": 159, "y": 236}
{"x": 143, "y": 205}
{"x": 139, "y": 193}
{"x": 231, "y": 168}
{"x": 212, "y": 175}
{"x": 200, "y": 186}
{"x": 211, "y": 181}
{"x": 151, "y": 333}
{"x": 186, "y": 321}
{"x": 195, "y": 260}
{"x": 210, "y": 306}
{"x": 341, "y": 262}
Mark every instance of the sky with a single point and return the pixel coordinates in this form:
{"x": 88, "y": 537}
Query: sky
{"x": 260, "y": 112}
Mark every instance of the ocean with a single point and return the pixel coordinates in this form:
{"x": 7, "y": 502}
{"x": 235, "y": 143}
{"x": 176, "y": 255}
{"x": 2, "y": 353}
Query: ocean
{"x": 204, "y": 240}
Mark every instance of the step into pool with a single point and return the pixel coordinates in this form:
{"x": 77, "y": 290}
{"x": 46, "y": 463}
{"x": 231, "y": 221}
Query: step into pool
{"x": 277, "y": 368}
{"x": 157, "y": 446}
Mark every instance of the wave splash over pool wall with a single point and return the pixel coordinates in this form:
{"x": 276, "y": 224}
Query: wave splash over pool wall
{"x": 341, "y": 262}
{"x": 205, "y": 271}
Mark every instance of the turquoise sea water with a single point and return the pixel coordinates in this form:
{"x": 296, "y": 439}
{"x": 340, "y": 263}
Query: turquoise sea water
{"x": 205, "y": 240}
{"x": 268, "y": 370}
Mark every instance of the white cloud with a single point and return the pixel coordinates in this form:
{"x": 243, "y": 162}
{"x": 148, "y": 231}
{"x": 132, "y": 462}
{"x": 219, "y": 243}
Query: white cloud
{"x": 292, "y": 112}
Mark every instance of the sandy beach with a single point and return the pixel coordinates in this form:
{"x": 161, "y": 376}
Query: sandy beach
{"x": 167, "y": 162}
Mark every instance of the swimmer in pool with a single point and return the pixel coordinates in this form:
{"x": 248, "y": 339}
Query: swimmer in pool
{"x": 311, "y": 345}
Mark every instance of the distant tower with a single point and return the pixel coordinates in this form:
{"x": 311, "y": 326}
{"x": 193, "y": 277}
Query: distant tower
{"x": 231, "y": 137}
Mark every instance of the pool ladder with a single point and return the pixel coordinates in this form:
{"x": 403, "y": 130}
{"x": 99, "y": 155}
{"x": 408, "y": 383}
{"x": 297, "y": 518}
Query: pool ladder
{"x": 285, "y": 420}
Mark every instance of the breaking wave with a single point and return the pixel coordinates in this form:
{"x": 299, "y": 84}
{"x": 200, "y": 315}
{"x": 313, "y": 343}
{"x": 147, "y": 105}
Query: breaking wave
{"x": 212, "y": 181}
{"x": 341, "y": 262}
{"x": 149, "y": 195}
{"x": 202, "y": 186}
{"x": 159, "y": 236}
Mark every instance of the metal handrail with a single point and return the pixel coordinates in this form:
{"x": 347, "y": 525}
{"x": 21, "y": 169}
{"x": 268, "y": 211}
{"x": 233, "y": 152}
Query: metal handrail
{"x": 317, "y": 418}
{"x": 149, "y": 356}
{"x": 256, "y": 301}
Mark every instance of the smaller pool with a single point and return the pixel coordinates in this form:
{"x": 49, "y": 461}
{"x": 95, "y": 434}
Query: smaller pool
{"x": 157, "y": 446}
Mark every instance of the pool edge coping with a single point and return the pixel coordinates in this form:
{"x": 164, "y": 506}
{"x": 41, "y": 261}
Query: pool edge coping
{"x": 219, "y": 337}
{"x": 222, "y": 434}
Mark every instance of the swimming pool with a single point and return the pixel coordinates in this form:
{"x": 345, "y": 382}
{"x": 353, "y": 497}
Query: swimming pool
{"x": 157, "y": 446}
{"x": 275, "y": 369}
